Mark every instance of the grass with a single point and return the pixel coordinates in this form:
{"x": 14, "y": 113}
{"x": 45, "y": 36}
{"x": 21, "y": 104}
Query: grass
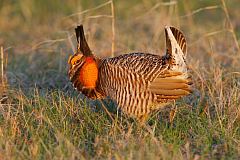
{"x": 42, "y": 117}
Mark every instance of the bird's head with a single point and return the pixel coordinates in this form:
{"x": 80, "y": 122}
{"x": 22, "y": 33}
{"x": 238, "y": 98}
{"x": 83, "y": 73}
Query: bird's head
{"x": 83, "y": 67}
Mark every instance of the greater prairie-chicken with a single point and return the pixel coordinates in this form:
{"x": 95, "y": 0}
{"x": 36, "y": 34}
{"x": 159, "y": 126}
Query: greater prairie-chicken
{"x": 138, "y": 82}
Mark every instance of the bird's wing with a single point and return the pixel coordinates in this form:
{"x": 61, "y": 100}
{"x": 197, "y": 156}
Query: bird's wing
{"x": 129, "y": 89}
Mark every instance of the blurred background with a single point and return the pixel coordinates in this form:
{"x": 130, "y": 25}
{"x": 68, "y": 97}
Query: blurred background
{"x": 38, "y": 36}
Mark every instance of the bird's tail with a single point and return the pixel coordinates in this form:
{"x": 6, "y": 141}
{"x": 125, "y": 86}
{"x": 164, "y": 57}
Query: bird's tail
{"x": 176, "y": 49}
{"x": 174, "y": 82}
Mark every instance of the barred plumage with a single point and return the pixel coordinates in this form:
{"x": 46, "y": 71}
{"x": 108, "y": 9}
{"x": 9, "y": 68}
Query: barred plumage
{"x": 138, "y": 82}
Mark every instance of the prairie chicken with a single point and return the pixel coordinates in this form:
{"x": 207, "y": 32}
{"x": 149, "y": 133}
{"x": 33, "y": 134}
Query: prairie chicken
{"x": 139, "y": 83}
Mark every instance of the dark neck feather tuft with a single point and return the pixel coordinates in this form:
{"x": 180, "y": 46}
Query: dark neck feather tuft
{"x": 82, "y": 43}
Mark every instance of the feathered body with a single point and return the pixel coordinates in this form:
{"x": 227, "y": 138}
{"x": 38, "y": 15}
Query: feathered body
{"x": 139, "y": 82}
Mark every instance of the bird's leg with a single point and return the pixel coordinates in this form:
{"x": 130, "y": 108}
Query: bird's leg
{"x": 142, "y": 119}
{"x": 110, "y": 115}
{"x": 151, "y": 131}
{"x": 172, "y": 113}
{"x": 106, "y": 110}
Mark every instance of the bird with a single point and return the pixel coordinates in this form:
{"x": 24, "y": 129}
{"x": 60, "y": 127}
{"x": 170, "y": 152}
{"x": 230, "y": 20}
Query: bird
{"x": 139, "y": 83}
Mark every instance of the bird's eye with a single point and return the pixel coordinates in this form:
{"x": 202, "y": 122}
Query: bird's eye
{"x": 77, "y": 61}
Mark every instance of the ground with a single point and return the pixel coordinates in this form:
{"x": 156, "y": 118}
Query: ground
{"x": 43, "y": 117}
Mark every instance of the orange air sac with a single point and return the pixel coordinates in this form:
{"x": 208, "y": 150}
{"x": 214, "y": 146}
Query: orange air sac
{"x": 89, "y": 73}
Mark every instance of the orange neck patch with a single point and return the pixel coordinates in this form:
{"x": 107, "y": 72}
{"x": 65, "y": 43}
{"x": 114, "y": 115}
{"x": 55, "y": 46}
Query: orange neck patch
{"x": 89, "y": 73}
